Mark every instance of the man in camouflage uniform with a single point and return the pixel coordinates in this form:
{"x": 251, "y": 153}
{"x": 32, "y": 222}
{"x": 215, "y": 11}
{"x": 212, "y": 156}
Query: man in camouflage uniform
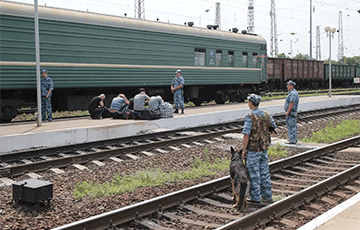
{"x": 47, "y": 86}
{"x": 177, "y": 88}
{"x": 256, "y": 142}
{"x": 291, "y": 108}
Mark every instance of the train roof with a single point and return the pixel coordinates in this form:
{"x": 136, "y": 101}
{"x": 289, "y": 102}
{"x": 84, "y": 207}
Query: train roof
{"x": 57, "y": 14}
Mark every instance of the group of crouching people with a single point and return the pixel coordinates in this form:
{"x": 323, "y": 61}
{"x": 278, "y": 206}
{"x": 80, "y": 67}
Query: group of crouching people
{"x": 134, "y": 108}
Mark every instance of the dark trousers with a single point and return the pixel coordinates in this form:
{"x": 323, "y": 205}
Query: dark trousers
{"x": 46, "y": 108}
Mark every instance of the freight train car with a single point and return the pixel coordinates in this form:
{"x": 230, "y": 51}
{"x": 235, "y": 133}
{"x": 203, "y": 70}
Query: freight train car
{"x": 341, "y": 75}
{"x": 87, "y": 54}
{"x": 306, "y": 73}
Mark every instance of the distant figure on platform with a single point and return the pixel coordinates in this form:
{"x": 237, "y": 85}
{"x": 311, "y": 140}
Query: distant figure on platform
{"x": 96, "y": 107}
{"x": 139, "y": 102}
{"x": 291, "y": 108}
{"x": 155, "y": 103}
{"x": 47, "y": 86}
{"x": 177, "y": 88}
{"x": 119, "y": 107}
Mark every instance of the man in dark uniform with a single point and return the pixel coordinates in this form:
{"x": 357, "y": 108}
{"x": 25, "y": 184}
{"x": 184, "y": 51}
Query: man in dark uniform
{"x": 256, "y": 142}
{"x": 177, "y": 88}
{"x": 47, "y": 86}
{"x": 96, "y": 107}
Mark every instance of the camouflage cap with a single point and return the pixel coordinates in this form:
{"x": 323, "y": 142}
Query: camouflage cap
{"x": 44, "y": 71}
{"x": 178, "y": 71}
{"x": 254, "y": 98}
{"x": 291, "y": 82}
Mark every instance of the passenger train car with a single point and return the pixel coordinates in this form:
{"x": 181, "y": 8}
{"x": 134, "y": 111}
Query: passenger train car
{"x": 87, "y": 54}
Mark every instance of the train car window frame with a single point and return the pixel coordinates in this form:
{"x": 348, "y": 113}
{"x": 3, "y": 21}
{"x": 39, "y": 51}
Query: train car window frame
{"x": 219, "y": 58}
{"x": 255, "y": 60}
{"x": 231, "y": 58}
{"x": 199, "y": 57}
{"x": 245, "y": 59}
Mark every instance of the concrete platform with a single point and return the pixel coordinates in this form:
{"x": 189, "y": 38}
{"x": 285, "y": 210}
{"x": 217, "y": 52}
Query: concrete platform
{"x": 59, "y": 133}
{"x": 345, "y": 216}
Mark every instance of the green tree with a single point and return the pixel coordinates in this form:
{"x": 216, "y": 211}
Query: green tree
{"x": 332, "y": 61}
{"x": 352, "y": 60}
{"x": 302, "y": 56}
{"x": 282, "y": 55}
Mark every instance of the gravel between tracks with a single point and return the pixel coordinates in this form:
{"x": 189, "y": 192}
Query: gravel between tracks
{"x": 65, "y": 209}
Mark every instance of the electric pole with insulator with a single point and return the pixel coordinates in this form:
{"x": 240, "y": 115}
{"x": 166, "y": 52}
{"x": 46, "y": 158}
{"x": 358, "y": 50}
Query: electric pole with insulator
{"x": 217, "y": 21}
{"x": 340, "y": 40}
{"x": 140, "y": 9}
{"x": 318, "y": 49}
{"x": 250, "y": 18}
{"x": 273, "y": 31}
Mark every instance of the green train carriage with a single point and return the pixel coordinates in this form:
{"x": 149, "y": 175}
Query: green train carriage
{"x": 87, "y": 53}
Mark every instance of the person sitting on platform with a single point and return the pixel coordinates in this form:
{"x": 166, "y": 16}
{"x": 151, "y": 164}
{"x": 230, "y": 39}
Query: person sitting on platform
{"x": 97, "y": 109}
{"x": 139, "y": 102}
{"x": 119, "y": 107}
{"x": 155, "y": 103}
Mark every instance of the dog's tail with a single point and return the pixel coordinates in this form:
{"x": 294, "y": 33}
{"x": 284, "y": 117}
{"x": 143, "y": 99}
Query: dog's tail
{"x": 242, "y": 194}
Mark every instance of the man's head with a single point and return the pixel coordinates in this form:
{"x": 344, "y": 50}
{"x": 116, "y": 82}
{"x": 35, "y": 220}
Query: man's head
{"x": 178, "y": 72}
{"x": 291, "y": 85}
{"x": 142, "y": 90}
{"x": 254, "y": 100}
{"x": 102, "y": 96}
{"x": 44, "y": 73}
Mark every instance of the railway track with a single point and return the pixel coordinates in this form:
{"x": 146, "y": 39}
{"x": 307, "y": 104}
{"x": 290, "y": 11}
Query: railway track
{"x": 305, "y": 178}
{"x": 37, "y": 160}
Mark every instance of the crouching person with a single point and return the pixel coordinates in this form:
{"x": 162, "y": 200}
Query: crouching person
{"x": 119, "y": 107}
{"x": 256, "y": 142}
{"x": 97, "y": 109}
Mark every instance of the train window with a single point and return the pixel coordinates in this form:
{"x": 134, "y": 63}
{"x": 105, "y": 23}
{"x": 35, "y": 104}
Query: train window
{"x": 218, "y": 57}
{"x": 231, "y": 58}
{"x": 255, "y": 58}
{"x": 200, "y": 57}
{"x": 245, "y": 59}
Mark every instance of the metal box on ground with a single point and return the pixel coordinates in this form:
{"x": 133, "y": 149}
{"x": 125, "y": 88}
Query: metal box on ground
{"x": 32, "y": 191}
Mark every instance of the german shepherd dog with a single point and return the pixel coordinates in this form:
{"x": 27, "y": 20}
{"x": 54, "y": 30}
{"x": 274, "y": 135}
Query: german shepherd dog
{"x": 239, "y": 179}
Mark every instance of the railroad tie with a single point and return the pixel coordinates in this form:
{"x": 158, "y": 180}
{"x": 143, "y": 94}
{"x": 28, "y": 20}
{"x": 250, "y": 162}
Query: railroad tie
{"x": 214, "y": 203}
{"x": 352, "y": 188}
{"x": 186, "y": 146}
{"x": 79, "y": 167}
{"x": 306, "y": 214}
{"x": 340, "y": 194}
{"x": 56, "y": 170}
{"x": 173, "y": 216}
{"x": 209, "y": 213}
{"x": 197, "y": 143}
{"x": 329, "y": 201}
{"x": 131, "y": 156}
{"x": 118, "y": 160}
{"x": 289, "y": 223}
{"x": 174, "y": 148}
{"x": 152, "y": 225}
{"x": 32, "y": 176}
{"x": 5, "y": 181}
{"x": 149, "y": 154}
{"x": 162, "y": 151}
{"x": 97, "y": 163}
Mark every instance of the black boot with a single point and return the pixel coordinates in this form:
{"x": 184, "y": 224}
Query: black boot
{"x": 182, "y": 111}
{"x": 176, "y": 111}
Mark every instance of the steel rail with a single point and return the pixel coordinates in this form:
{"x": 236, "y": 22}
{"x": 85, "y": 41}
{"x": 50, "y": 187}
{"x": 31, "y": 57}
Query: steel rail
{"x": 48, "y": 151}
{"x": 16, "y": 170}
{"x": 125, "y": 214}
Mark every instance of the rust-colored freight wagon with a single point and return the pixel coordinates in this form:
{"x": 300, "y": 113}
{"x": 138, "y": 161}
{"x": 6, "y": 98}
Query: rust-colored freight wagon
{"x": 306, "y": 73}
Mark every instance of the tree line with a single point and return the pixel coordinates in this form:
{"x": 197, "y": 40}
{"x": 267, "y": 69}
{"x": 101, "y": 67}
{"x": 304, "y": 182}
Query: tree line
{"x": 344, "y": 60}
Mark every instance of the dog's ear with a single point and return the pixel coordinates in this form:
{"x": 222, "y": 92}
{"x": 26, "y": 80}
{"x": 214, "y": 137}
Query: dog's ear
{"x": 232, "y": 150}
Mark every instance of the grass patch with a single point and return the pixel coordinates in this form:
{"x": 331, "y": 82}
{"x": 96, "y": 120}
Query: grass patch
{"x": 278, "y": 197}
{"x": 277, "y": 151}
{"x": 145, "y": 178}
{"x": 333, "y": 133}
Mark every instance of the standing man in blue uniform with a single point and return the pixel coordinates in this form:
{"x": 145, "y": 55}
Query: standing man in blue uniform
{"x": 256, "y": 142}
{"x": 177, "y": 86}
{"x": 47, "y": 86}
{"x": 291, "y": 108}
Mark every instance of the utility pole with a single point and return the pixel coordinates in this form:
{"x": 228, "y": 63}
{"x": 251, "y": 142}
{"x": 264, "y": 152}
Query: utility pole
{"x": 37, "y": 55}
{"x": 217, "y": 21}
{"x": 340, "y": 40}
{"x": 311, "y": 29}
{"x": 139, "y": 9}
{"x": 318, "y": 48}
{"x": 273, "y": 31}
{"x": 291, "y": 49}
{"x": 251, "y": 27}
